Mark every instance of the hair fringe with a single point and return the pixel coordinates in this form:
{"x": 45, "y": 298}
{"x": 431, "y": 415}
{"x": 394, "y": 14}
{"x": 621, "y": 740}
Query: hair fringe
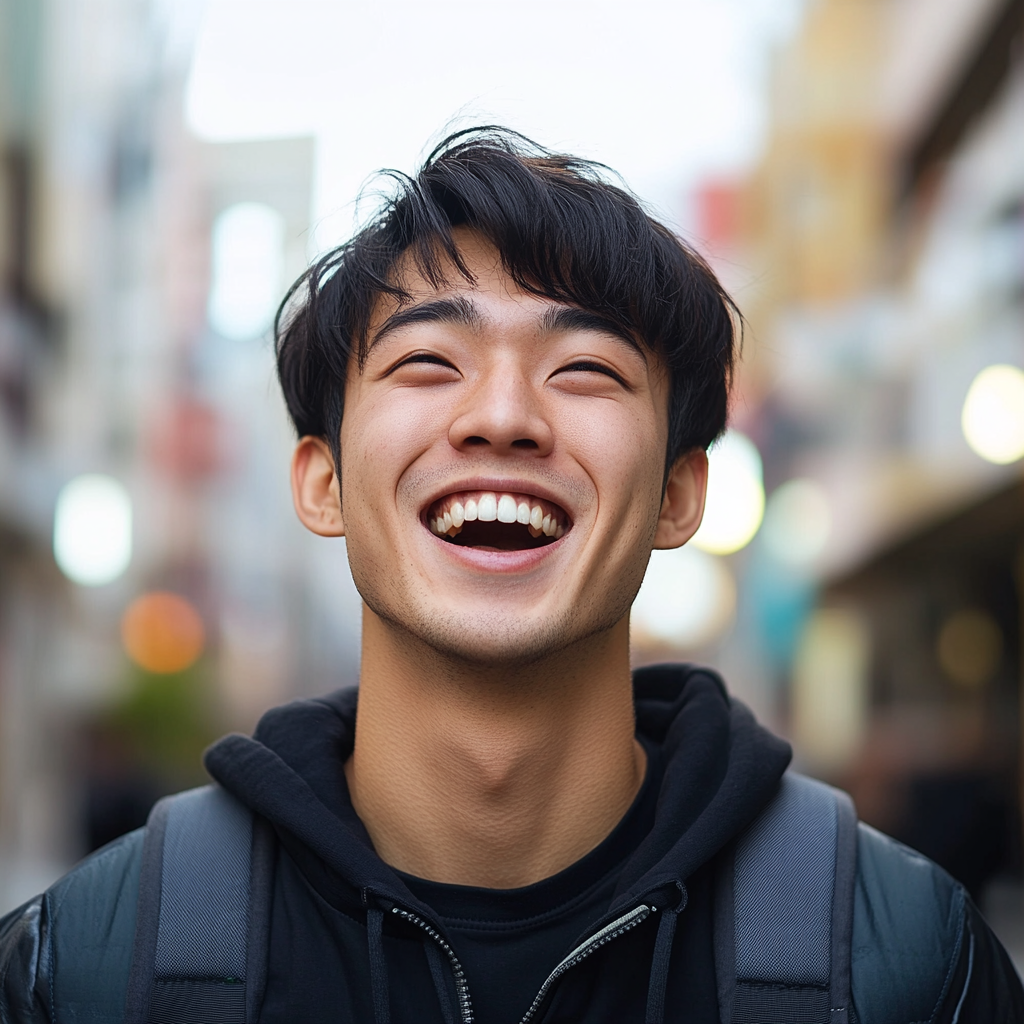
{"x": 562, "y": 229}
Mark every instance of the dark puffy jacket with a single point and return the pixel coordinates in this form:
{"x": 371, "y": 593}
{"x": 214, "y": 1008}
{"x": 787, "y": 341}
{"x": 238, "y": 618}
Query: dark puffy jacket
{"x": 921, "y": 952}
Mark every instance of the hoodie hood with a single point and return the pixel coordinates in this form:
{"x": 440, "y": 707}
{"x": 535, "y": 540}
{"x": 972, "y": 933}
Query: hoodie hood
{"x": 719, "y": 769}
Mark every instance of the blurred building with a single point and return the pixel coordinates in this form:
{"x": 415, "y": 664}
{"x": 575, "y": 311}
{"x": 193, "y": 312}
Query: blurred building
{"x": 885, "y": 232}
{"x": 30, "y": 338}
{"x": 877, "y": 252}
{"x": 139, "y": 270}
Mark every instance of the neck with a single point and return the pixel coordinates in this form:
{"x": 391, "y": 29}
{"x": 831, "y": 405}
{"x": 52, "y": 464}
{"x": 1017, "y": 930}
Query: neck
{"x": 492, "y": 776}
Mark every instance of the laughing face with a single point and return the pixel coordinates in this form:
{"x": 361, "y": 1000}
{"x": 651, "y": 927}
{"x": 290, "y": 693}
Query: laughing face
{"x": 502, "y": 459}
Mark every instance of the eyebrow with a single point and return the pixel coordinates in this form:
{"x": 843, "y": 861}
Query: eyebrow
{"x": 457, "y": 310}
{"x": 572, "y": 318}
{"x": 462, "y": 311}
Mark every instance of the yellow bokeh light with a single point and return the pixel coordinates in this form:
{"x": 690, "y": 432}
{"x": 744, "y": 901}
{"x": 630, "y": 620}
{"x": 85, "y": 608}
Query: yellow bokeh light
{"x": 993, "y": 414}
{"x": 735, "y": 502}
{"x": 970, "y": 647}
{"x": 687, "y": 598}
{"x": 162, "y": 632}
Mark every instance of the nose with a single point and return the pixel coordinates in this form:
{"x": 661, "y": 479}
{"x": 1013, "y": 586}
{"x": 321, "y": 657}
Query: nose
{"x": 503, "y": 413}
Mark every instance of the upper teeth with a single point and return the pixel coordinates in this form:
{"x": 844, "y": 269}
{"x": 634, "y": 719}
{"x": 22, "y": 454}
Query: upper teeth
{"x": 487, "y": 508}
{"x": 448, "y": 515}
{"x": 506, "y": 509}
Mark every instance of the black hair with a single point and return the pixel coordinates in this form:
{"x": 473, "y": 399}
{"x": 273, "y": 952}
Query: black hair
{"x": 561, "y": 229}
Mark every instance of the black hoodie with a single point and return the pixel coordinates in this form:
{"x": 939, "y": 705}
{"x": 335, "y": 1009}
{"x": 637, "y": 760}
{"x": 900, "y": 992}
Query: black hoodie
{"x": 623, "y": 935}
{"x": 355, "y": 940}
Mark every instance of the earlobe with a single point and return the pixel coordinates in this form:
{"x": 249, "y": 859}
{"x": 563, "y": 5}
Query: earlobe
{"x": 682, "y": 508}
{"x": 316, "y": 490}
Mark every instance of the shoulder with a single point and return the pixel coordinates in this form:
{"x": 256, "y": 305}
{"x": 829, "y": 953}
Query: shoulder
{"x": 909, "y": 930}
{"x": 68, "y": 951}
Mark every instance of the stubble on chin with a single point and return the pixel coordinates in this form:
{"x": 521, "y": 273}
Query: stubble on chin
{"x": 488, "y": 639}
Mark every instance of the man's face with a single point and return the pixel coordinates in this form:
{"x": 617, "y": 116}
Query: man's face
{"x": 502, "y": 458}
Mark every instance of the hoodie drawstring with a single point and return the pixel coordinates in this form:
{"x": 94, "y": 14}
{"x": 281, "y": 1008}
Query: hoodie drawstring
{"x": 659, "y": 968}
{"x": 661, "y": 961}
{"x": 378, "y": 966}
{"x": 437, "y": 972}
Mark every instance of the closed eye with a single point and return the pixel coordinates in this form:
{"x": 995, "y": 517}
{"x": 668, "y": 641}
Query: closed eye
{"x": 586, "y": 366}
{"x": 421, "y": 359}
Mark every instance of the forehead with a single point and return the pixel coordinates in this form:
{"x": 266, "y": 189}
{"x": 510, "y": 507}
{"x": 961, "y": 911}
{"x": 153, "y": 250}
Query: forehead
{"x": 489, "y": 299}
{"x": 489, "y": 282}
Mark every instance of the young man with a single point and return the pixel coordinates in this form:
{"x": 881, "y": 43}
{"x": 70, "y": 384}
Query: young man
{"x": 504, "y": 389}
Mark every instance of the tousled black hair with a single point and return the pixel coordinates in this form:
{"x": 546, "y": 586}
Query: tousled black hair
{"x": 561, "y": 229}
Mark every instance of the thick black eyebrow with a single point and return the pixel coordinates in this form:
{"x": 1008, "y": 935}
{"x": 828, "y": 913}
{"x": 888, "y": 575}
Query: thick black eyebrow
{"x": 460, "y": 310}
{"x": 457, "y": 310}
{"x": 572, "y": 318}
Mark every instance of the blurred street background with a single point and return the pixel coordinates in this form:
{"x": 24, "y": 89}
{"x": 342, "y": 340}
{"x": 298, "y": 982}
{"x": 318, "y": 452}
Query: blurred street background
{"x": 853, "y": 169}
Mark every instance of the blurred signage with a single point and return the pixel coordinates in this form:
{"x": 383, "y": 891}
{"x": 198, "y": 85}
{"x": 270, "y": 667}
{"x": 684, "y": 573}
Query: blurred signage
{"x": 190, "y": 441}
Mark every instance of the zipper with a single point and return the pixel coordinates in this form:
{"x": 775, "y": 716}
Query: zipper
{"x": 610, "y": 931}
{"x": 461, "y": 986}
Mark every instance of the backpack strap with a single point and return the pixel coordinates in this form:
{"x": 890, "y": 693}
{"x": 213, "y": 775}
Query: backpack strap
{"x": 203, "y": 911}
{"x": 784, "y": 911}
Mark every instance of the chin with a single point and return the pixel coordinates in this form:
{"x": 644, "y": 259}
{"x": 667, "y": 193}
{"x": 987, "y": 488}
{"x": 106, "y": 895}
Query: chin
{"x": 494, "y": 639}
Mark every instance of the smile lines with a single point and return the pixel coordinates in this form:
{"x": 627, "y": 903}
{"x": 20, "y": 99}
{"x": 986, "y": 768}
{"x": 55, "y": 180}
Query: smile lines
{"x": 447, "y": 516}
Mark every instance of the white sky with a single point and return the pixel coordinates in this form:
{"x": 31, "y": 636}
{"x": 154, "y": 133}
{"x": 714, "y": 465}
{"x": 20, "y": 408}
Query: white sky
{"x": 664, "y": 92}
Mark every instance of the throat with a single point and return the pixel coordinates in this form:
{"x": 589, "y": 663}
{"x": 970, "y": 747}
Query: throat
{"x": 490, "y": 779}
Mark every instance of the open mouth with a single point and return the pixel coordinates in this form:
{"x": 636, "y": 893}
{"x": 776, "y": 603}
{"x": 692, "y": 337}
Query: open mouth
{"x": 495, "y": 521}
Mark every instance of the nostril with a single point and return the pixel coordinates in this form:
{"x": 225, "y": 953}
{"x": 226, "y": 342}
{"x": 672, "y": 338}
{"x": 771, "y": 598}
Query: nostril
{"x": 475, "y": 439}
{"x": 525, "y": 442}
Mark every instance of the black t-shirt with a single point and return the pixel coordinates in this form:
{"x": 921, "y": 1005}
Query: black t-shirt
{"x": 509, "y": 940}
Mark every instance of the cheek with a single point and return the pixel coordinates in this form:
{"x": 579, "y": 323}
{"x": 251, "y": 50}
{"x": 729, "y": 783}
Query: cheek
{"x": 376, "y": 427}
{"x": 623, "y": 451}
{"x": 380, "y": 438}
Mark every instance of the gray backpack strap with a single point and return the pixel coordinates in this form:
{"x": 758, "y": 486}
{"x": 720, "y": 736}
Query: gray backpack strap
{"x": 784, "y": 911}
{"x": 200, "y": 934}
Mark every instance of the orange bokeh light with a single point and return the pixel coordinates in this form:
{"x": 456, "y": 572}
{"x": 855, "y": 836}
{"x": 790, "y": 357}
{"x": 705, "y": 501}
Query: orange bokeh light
{"x": 162, "y": 632}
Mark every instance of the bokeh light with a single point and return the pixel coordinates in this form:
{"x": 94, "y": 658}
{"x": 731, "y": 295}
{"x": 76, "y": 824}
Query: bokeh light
{"x": 970, "y": 647}
{"x": 162, "y": 632}
{"x": 248, "y": 268}
{"x": 687, "y": 598}
{"x": 797, "y": 523}
{"x": 993, "y": 414}
{"x": 830, "y": 695}
{"x": 92, "y": 529}
{"x": 735, "y": 502}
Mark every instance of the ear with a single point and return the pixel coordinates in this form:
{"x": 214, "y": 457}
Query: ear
{"x": 316, "y": 490}
{"x": 682, "y": 508}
